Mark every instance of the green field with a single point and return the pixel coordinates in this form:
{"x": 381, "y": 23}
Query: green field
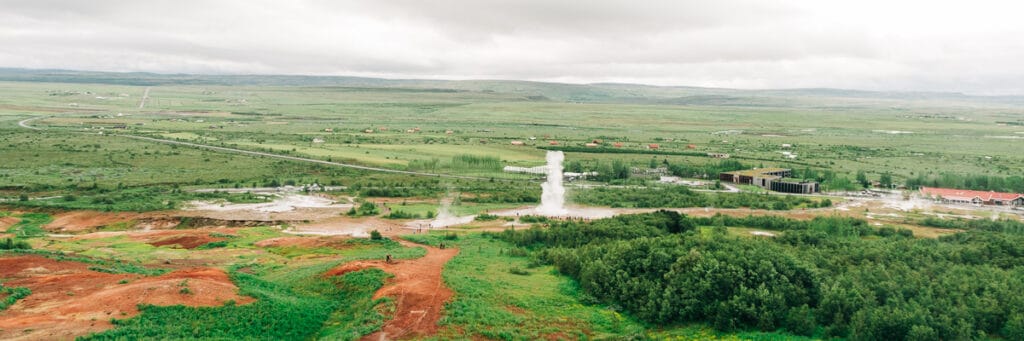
{"x": 830, "y": 131}
{"x": 77, "y": 141}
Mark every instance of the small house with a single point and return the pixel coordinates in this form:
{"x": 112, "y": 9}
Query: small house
{"x": 653, "y": 146}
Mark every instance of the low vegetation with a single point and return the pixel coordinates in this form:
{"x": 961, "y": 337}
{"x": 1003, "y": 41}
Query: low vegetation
{"x": 13, "y": 294}
{"x": 280, "y": 312}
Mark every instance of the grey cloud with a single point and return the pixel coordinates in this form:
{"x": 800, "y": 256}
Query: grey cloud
{"x": 878, "y": 45}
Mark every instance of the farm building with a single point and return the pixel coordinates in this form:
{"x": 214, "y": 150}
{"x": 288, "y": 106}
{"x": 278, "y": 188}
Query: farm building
{"x": 617, "y": 144}
{"x": 653, "y": 146}
{"x": 553, "y": 143}
{"x": 517, "y": 143}
{"x": 775, "y": 179}
{"x": 329, "y": 130}
{"x": 963, "y": 196}
{"x": 691, "y": 146}
{"x": 591, "y": 145}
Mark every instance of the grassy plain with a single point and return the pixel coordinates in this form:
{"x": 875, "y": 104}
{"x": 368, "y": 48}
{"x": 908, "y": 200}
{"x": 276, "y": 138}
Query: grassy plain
{"x": 845, "y": 133}
{"x": 75, "y": 159}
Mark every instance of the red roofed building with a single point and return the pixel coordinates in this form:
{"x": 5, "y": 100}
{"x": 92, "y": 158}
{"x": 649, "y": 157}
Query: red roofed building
{"x": 963, "y": 196}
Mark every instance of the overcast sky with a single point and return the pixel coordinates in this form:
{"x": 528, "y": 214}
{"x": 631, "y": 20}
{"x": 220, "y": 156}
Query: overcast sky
{"x": 968, "y": 46}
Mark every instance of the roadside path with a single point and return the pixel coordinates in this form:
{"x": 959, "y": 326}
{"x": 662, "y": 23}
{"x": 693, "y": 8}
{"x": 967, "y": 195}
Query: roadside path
{"x": 145, "y": 96}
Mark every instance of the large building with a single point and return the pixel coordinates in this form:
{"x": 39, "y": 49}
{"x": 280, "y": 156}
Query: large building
{"x": 963, "y": 196}
{"x": 775, "y": 179}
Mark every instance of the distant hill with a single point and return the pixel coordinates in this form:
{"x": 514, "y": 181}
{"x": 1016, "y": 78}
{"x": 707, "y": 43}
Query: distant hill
{"x": 563, "y": 92}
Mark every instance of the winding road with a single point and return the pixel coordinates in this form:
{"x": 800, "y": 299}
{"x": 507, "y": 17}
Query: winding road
{"x": 24, "y": 123}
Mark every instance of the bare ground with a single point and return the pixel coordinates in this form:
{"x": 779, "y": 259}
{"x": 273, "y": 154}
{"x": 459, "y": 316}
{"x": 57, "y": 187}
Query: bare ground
{"x": 69, "y": 300}
{"x": 417, "y": 288}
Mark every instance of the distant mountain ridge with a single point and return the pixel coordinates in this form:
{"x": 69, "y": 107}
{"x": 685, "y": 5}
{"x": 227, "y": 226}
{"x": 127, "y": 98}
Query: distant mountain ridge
{"x": 593, "y": 92}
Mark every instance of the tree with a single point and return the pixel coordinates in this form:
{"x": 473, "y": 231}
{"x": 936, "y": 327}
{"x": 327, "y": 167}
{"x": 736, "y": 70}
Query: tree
{"x": 620, "y": 170}
{"x": 886, "y": 180}
{"x": 863, "y": 179}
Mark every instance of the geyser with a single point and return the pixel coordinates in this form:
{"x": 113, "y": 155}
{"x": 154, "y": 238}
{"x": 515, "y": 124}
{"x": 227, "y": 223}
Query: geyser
{"x": 552, "y": 200}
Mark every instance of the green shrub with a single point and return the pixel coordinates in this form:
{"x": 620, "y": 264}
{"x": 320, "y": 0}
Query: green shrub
{"x": 13, "y": 295}
{"x": 529, "y": 219}
{"x": 486, "y": 217}
{"x": 515, "y": 270}
{"x": 212, "y": 245}
{"x": 10, "y": 244}
{"x": 399, "y": 214}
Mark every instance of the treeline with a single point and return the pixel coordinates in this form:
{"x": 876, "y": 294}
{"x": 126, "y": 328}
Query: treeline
{"x": 1012, "y": 184}
{"x": 461, "y": 162}
{"x": 619, "y": 170}
{"x": 467, "y": 190}
{"x": 827, "y": 277}
{"x": 680, "y": 196}
{"x": 605, "y": 150}
{"x": 999, "y": 225}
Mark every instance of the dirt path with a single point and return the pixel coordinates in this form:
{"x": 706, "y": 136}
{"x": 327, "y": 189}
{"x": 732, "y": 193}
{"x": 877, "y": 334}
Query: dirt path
{"x": 417, "y": 288}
